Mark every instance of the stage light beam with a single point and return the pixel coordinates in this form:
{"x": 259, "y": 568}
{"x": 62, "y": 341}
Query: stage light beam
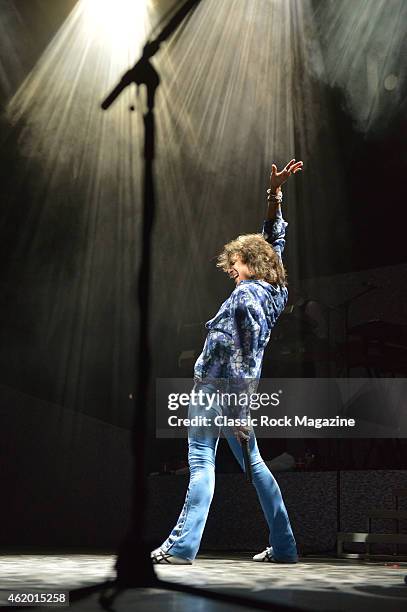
{"x": 115, "y": 23}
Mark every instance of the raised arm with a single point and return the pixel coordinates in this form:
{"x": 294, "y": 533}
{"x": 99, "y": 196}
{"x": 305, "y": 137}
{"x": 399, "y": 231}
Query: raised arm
{"x": 274, "y": 224}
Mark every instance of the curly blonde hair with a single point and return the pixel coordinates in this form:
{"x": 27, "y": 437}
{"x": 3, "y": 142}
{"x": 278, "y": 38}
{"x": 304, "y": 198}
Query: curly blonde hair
{"x": 258, "y": 255}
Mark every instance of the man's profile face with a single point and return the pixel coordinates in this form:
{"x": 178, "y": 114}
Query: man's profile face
{"x": 238, "y": 270}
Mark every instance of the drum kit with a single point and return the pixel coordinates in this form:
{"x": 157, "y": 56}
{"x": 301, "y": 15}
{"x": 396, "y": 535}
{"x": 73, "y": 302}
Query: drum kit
{"x": 372, "y": 348}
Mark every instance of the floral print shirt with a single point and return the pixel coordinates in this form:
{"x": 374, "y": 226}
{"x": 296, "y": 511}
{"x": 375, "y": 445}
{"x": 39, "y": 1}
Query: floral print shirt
{"x": 240, "y": 330}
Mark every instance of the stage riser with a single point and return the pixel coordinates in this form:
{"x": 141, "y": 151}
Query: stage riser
{"x": 236, "y": 520}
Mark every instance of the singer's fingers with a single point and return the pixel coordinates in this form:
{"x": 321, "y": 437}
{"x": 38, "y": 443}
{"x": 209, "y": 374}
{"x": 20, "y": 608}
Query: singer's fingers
{"x": 289, "y": 165}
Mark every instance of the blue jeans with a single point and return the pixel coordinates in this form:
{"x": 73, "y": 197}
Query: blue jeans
{"x": 185, "y": 538}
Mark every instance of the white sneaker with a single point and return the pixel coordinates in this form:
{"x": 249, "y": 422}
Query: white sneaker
{"x": 159, "y": 556}
{"x": 268, "y": 556}
{"x": 265, "y": 555}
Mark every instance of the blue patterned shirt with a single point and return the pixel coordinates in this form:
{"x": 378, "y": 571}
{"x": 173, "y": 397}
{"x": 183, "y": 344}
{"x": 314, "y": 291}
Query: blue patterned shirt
{"x": 240, "y": 330}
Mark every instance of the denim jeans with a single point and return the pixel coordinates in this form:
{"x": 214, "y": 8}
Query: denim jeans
{"x": 185, "y": 538}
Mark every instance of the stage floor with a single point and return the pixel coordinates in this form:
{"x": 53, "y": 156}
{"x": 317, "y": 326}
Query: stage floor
{"x": 312, "y": 584}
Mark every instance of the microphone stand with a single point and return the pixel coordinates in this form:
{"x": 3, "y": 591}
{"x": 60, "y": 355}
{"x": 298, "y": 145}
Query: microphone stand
{"x": 345, "y": 307}
{"x": 247, "y": 462}
{"x": 133, "y": 552}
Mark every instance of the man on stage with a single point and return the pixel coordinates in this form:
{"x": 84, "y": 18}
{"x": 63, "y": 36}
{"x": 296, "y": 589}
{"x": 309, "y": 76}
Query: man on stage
{"x": 233, "y": 351}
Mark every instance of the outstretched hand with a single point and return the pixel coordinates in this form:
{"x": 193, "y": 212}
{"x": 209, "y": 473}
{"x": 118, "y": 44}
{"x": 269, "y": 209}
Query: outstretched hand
{"x": 278, "y": 178}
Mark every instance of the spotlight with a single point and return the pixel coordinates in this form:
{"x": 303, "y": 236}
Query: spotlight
{"x": 391, "y": 82}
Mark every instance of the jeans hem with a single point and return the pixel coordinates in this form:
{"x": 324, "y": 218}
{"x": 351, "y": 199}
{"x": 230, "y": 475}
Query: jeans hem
{"x": 293, "y": 560}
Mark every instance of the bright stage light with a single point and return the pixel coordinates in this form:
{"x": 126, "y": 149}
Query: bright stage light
{"x": 116, "y": 23}
{"x": 96, "y": 43}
